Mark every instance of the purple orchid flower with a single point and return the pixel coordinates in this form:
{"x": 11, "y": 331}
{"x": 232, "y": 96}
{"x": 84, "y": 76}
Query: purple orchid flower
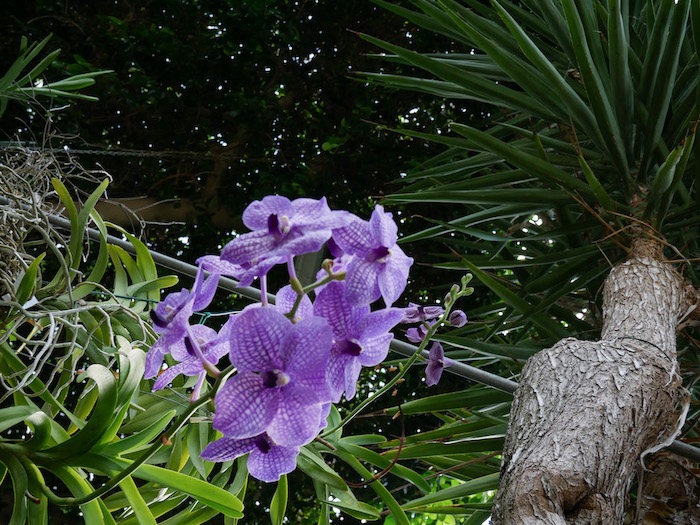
{"x": 212, "y": 347}
{"x": 380, "y": 268}
{"x": 436, "y": 362}
{"x": 267, "y": 460}
{"x": 361, "y": 337}
{"x": 416, "y": 313}
{"x": 281, "y": 385}
{"x": 418, "y": 333}
{"x": 280, "y": 229}
{"x": 171, "y": 317}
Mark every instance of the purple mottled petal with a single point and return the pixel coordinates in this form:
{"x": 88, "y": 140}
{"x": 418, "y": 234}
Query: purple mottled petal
{"x": 256, "y": 214}
{"x": 192, "y": 367}
{"x": 248, "y": 247}
{"x": 258, "y": 270}
{"x": 382, "y": 228}
{"x": 394, "y": 275}
{"x": 361, "y": 282}
{"x": 201, "y": 332}
{"x": 332, "y": 305}
{"x": 336, "y": 251}
{"x": 256, "y": 338}
{"x": 306, "y": 348}
{"x": 354, "y": 238}
{"x": 154, "y": 361}
{"x": 297, "y": 419}
{"x": 204, "y": 289}
{"x": 226, "y": 448}
{"x": 244, "y": 406}
{"x": 433, "y": 372}
{"x": 379, "y": 322}
{"x": 310, "y": 212}
{"x": 374, "y": 349}
{"x": 299, "y": 242}
{"x": 325, "y": 411}
{"x": 215, "y": 264}
{"x": 285, "y": 299}
{"x": 335, "y": 374}
{"x": 437, "y": 353}
{"x": 352, "y": 373}
{"x": 270, "y": 466}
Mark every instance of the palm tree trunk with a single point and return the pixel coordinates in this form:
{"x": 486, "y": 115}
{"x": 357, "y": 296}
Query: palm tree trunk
{"x": 585, "y": 411}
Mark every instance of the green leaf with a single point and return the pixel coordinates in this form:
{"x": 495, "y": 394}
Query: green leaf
{"x": 138, "y": 440}
{"x": 662, "y": 72}
{"x": 475, "y": 486}
{"x": 383, "y": 462}
{"x": 534, "y": 165}
{"x": 92, "y": 510}
{"x": 25, "y": 289}
{"x": 278, "y": 505}
{"x": 601, "y": 195}
{"x": 99, "y": 421}
{"x": 545, "y": 323}
{"x": 197, "y": 439}
{"x": 314, "y": 467}
{"x": 396, "y": 511}
{"x": 469, "y": 398}
{"x": 662, "y": 180}
{"x": 605, "y": 119}
{"x": 480, "y": 89}
{"x": 20, "y": 485}
{"x": 204, "y": 492}
{"x": 138, "y": 505}
{"x": 621, "y": 81}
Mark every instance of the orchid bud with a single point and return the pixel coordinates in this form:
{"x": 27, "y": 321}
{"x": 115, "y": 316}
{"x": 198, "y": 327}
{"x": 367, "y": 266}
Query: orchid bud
{"x": 458, "y": 318}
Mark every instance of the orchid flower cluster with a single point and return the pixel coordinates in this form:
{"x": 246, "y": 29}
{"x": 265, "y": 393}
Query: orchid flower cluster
{"x": 295, "y": 357}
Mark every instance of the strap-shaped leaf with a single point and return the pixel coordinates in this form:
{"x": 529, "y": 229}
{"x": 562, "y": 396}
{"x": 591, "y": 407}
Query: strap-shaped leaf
{"x": 314, "y": 466}
{"x": 206, "y": 493}
{"x": 26, "y": 286}
{"x": 99, "y": 421}
{"x": 278, "y": 505}
{"x": 482, "y": 90}
{"x": 20, "y": 485}
{"x": 621, "y": 80}
{"x": 537, "y": 167}
{"x": 396, "y": 511}
{"x": 597, "y": 91}
{"x": 475, "y": 486}
{"x": 662, "y": 83}
{"x": 136, "y": 501}
{"x": 550, "y": 327}
{"x": 384, "y": 462}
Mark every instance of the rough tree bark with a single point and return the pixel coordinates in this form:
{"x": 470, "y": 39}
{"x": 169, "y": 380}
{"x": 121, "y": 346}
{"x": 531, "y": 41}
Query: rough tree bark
{"x": 586, "y": 411}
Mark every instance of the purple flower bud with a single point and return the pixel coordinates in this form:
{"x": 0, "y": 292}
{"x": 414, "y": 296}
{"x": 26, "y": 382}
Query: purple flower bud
{"x": 458, "y": 318}
{"x": 436, "y": 362}
{"x": 417, "y": 334}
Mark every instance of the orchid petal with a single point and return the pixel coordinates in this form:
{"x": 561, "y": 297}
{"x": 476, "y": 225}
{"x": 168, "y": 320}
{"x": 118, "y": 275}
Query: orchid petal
{"x": 244, "y": 406}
